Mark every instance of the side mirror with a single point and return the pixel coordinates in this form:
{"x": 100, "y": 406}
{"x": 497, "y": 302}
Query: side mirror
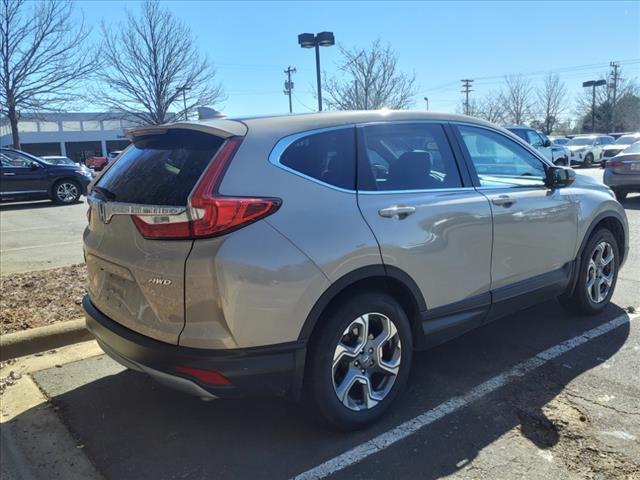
{"x": 35, "y": 166}
{"x": 558, "y": 177}
{"x": 547, "y": 143}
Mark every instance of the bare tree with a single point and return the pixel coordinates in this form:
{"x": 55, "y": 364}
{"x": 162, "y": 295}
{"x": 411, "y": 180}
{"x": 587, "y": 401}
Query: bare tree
{"x": 626, "y": 89}
{"x": 151, "y": 64}
{"x": 44, "y": 57}
{"x": 489, "y": 108}
{"x": 516, "y": 99}
{"x": 552, "y": 101}
{"x": 371, "y": 80}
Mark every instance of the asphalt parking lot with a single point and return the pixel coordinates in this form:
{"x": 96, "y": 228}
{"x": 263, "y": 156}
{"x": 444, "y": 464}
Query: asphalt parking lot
{"x": 540, "y": 394}
{"x": 40, "y": 235}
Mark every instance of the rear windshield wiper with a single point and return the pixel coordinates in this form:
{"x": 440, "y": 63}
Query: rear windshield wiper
{"x": 107, "y": 194}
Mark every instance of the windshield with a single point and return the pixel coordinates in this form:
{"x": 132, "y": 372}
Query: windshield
{"x": 635, "y": 148}
{"x": 560, "y": 141}
{"x": 57, "y": 161}
{"x": 627, "y": 139}
{"x": 581, "y": 141}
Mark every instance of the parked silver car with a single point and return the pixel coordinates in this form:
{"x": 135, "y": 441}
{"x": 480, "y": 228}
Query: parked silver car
{"x": 622, "y": 172}
{"x": 316, "y": 252}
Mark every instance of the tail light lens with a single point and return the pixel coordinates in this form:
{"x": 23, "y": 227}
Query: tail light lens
{"x": 209, "y": 214}
{"x": 613, "y": 163}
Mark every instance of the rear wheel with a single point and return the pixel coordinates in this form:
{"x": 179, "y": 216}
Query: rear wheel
{"x": 359, "y": 360}
{"x": 66, "y": 191}
{"x": 597, "y": 275}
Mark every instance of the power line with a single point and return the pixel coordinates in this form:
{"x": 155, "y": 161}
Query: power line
{"x": 303, "y": 104}
{"x": 575, "y": 68}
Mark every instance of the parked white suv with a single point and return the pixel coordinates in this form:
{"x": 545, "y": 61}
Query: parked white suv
{"x": 618, "y": 146}
{"x": 587, "y": 149}
{"x": 558, "y": 154}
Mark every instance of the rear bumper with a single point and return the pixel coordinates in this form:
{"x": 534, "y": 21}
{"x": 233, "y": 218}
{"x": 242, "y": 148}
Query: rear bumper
{"x": 275, "y": 370}
{"x": 629, "y": 182}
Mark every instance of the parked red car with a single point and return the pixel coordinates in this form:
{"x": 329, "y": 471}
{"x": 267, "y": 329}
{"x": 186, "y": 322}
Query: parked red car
{"x": 97, "y": 163}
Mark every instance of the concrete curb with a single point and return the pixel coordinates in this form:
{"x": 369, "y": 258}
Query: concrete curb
{"x": 41, "y": 339}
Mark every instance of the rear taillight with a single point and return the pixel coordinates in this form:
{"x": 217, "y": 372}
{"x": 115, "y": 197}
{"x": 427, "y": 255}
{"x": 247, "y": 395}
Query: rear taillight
{"x": 613, "y": 163}
{"x": 209, "y": 214}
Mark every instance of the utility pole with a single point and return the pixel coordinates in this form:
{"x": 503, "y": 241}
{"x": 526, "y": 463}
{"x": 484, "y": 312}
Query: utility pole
{"x": 614, "y": 86}
{"x": 288, "y": 85}
{"x": 466, "y": 84}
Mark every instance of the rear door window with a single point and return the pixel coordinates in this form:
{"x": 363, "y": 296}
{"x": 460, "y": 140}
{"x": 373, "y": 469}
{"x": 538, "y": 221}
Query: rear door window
{"x": 160, "y": 169}
{"x": 329, "y": 157}
{"x": 407, "y": 156}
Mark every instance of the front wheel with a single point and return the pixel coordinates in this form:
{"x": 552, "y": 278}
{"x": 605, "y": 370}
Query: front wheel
{"x": 588, "y": 160}
{"x": 359, "y": 360}
{"x": 597, "y": 275}
{"x": 66, "y": 191}
{"x": 561, "y": 162}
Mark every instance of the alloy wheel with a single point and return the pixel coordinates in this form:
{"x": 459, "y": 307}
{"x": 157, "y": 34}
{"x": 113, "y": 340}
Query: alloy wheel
{"x": 600, "y": 272}
{"x": 67, "y": 192}
{"x": 366, "y": 361}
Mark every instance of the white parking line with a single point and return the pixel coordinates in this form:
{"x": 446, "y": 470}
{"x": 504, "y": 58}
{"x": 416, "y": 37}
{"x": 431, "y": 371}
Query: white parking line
{"x": 76, "y": 242}
{"x": 410, "y": 427}
{"x": 56, "y": 227}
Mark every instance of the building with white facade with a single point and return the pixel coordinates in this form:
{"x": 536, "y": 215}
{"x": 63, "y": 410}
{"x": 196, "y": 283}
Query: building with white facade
{"x": 76, "y": 135}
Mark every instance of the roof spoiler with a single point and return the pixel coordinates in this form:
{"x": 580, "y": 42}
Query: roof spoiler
{"x": 219, "y": 127}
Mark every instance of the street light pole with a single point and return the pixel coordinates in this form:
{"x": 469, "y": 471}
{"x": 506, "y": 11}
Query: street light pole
{"x": 322, "y": 39}
{"x": 593, "y": 84}
{"x": 318, "y": 80}
{"x": 426, "y": 99}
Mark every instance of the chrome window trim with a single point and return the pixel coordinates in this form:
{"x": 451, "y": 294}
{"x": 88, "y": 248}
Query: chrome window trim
{"x": 425, "y": 191}
{"x": 282, "y": 144}
{"x": 285, "y": 142}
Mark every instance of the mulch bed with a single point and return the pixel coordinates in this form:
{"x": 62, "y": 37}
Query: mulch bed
{"x": 35, "y": 299}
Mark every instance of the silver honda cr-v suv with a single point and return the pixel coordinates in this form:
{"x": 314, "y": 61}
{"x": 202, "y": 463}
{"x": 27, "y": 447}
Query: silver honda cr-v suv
{"x": 312, "y": 254}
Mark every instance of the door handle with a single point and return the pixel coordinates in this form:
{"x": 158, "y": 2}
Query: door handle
{"x": 399, "y": 211}
{"x": 8, "y": 174}
{"x": 503, "y": 201}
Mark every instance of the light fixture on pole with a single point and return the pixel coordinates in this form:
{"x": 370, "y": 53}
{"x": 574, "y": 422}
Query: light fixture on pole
{"x": 593, "y": 84}
{"x": 322, "y": 39}
{"x": 426, "y": 99}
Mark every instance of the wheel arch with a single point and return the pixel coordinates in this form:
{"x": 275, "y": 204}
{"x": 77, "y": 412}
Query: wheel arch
{"x": 389, "y": 279}
{"x": 615, "y": 224}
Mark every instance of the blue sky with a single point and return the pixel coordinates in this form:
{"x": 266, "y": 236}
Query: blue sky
{"x": 251, "y": 43}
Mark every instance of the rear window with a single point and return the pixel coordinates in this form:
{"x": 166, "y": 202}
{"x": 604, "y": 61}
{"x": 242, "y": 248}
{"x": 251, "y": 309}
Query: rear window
{"x": 160, "y": 169}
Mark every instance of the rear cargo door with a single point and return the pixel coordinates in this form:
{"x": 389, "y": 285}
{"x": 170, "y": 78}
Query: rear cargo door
{"x": 136, "y": 281}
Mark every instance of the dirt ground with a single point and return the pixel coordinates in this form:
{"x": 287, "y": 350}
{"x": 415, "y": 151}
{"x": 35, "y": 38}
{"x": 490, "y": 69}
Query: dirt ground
{"x": 43, "y": 297}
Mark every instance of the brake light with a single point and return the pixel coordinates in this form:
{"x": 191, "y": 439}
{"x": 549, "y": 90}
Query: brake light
{"x": 209, "y": 214}
{"x": 613, "y": 163}
{"x": 210, "y": 377}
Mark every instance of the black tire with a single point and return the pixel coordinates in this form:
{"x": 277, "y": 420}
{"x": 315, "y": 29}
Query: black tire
{"x": 66, "y": 192}
{"x": 561, "y": 162}
{"x": 588, "y": 160}
{"x": 620, "y": 195}
{"x": 580, "y": 300}
{"x": 319, "y": 381}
